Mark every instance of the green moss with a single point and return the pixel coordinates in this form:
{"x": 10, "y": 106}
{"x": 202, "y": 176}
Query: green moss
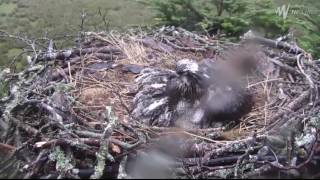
{"x": 63, "y": 163}
{"x": 13, "y": 52}
{"x": 4, "y": 89}
{"x": 7, "y": 8}
{"x": 20, "y": 65}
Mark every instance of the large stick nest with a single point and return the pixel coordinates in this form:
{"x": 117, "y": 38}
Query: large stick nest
{"x": 66, "y": 115}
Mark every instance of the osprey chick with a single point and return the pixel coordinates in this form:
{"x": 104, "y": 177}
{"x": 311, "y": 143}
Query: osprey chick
{"x": 195, "y": 95}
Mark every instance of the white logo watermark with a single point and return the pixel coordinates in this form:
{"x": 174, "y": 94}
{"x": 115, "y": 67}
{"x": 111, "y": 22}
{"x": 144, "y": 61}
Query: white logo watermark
{"x": 284, "y": 10}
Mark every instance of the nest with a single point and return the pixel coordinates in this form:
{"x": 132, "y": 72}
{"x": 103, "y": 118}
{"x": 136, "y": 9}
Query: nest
{"x": 67, "y": 114}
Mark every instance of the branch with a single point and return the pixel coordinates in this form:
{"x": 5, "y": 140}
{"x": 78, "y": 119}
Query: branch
{"x": 103, "y": 153}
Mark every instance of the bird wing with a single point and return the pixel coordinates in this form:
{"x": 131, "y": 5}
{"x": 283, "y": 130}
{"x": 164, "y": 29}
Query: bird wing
{"x": 150, "y": 104}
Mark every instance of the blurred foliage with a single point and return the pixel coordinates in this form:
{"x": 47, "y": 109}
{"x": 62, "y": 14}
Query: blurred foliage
{"x": 61, "y": 19}
{"x": 56, "y": 18}
{"x": 233, "y": 18}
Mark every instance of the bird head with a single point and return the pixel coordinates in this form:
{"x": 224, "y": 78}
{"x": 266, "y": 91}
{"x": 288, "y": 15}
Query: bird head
{"x": 187, "y": 66}
{"x": 185, "y": 85}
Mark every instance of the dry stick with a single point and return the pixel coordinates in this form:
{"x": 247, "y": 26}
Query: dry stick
{"x": 56, "y": 118}
{"x": 293, "y": 106}
{"x": 257, "y": 171}
{"x": 184, "y": 48}
{"x": 197, "y": 169}
{"x": 245, "y": 155}
{"x": 122, "y": 169}
{"x": 272, "y": 43}
{"x": 98, "y": 135}
{"x": 313, "y": 149}
{"x": 63, "y": 72}
{"x": 311, "y": 83}
{"x": 29, "y": 129}
{"x": 262, "y": 82}
{"x": 285, "y": 67}
{"x": 122, "y": 102}
{"x": 82, "y": 70}
{"x": 70, "y": 75}
{"x": 37, "y": 164}
{"x": 103, "y": 153}
{"x": 240, "y": 159}
{"x": 204, "y": 138}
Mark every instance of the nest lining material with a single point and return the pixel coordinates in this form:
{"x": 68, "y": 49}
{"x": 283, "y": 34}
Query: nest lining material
{"x": 69, "y": 97}
{"x": 113, "y": 87}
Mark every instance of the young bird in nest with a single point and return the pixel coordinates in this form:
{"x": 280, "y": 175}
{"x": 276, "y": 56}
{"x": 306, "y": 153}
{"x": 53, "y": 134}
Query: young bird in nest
{"x": 192, "y": 96}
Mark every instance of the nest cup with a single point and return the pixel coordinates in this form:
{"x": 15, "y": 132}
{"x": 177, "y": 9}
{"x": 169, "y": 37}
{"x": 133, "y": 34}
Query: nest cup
{"x": 56, "y": 114}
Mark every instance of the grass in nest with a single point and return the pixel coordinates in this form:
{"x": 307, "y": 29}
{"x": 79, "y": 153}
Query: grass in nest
{"x": 134, "y": 51}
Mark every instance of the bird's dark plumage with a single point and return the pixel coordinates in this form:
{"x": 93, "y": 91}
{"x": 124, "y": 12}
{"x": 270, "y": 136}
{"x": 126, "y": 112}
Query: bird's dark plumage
{"x": 195, "y": 95}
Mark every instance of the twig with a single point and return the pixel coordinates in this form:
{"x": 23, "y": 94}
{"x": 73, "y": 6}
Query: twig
{"x": 103, "y": 153}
